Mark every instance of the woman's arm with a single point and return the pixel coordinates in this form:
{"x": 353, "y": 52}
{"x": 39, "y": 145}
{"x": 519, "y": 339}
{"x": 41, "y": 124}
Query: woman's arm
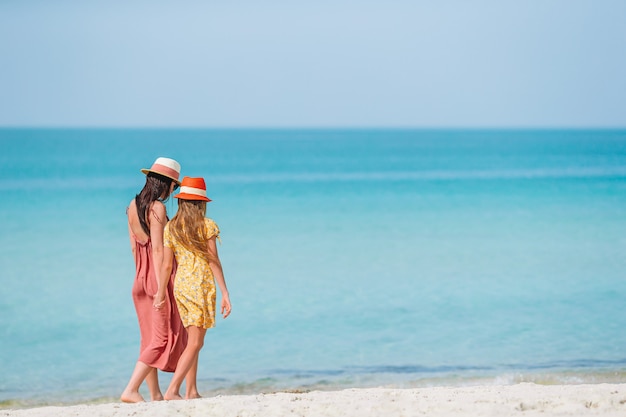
{"x": 218, "y": 273}
{"x": 157, "y": 224}
{"x": 132, "y": 240}
{"x": 166, "y": 270}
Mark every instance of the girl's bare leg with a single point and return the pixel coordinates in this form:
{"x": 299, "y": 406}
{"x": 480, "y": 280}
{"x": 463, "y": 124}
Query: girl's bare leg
{"x": 131, "y": 392}
{"x": 191, "y": 391}
{"x": 195, "y": 340}
{"x": 153, "y": 385}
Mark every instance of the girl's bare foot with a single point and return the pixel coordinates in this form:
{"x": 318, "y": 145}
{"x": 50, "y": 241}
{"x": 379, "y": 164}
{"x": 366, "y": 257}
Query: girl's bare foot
{"x": 158, "y": 397}
{"x": 131, "y": 397}
{"x": 192, "y": 395}
{"x": 170, "y": 397}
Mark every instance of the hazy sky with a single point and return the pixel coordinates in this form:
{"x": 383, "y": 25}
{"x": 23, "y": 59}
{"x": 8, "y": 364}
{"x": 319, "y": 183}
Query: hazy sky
{"x": 322, "y": 63}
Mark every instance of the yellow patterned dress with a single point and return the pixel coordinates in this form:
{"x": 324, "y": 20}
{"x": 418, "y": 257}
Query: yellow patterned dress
{"x": 194, "y": 285}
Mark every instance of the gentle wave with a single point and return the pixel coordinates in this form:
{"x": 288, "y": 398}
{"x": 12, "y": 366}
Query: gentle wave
{"x": 256, "y": 178}
{"x": 432, "y": 175}
{"x": 592, "y": 372}
{"x": 462, "y": 376}
{"x": 582, "y": 366}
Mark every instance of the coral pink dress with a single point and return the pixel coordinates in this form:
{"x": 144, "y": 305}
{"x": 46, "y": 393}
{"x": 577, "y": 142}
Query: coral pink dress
{"x": 163, "y": 337}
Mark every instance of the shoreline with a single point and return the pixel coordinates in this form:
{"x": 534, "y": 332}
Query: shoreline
{"x": 498, "y": 400}
{"x": 303, "y": 382}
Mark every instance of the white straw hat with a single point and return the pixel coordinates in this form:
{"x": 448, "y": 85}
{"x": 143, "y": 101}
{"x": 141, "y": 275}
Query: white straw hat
{"x": 165, "y": 166}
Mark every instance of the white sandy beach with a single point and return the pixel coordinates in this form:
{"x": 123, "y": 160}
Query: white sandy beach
{"x": 509, "y": 400}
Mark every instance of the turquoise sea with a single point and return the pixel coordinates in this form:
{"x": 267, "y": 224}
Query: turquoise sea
{"x": 354, "y": 258}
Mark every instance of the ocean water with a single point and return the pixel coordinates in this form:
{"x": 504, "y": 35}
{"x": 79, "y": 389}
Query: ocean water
{"x": 354, "y": 258}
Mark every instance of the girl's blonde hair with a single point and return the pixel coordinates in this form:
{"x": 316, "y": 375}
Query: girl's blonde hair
{"x": 188, "y": 228}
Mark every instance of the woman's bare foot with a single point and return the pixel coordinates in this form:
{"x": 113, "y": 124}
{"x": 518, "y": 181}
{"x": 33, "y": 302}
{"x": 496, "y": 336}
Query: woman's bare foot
{"x": 192, "y": 395}
{"x": 158, "y": 397}
{"x": 131, "y": 397}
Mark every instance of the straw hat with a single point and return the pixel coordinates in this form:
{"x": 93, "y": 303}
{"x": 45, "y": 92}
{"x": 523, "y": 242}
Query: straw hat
{"x": 166, "y": 167}
{"x": 193, "y": 189}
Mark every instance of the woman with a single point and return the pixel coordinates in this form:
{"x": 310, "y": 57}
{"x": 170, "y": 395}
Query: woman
{"x": 163, "y": 338}
{"x": 189, "y": 238}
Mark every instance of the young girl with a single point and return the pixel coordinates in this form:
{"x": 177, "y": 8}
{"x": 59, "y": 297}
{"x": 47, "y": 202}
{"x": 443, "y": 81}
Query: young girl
{"x": 190, "y": 238}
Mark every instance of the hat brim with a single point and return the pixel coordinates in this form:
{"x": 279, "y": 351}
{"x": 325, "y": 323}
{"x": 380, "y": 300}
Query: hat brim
{"x": 186, "y": 196}
{"x": 146, "y": 171}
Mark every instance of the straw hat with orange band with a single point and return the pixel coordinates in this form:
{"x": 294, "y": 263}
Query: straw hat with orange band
{"x": 193, "y": 189}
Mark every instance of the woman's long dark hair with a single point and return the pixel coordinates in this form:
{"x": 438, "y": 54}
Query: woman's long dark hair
{"x": 157, "y": 187}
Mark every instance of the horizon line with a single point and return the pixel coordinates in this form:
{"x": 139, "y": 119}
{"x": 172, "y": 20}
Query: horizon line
{"x": 306, "y": 127}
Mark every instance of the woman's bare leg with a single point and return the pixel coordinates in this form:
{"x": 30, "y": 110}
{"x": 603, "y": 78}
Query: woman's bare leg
{"x": 131, "y": 393}
{"x": 153, "y": 385}
{"x": 191, "y": 385}
{"x": 195, "y": 340}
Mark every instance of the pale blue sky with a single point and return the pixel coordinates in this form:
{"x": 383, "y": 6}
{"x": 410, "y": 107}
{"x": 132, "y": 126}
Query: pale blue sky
{"x": 342, "y": 63}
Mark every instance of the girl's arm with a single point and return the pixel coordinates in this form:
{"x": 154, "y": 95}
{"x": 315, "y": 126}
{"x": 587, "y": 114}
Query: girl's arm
{"x": 218, "y": 273}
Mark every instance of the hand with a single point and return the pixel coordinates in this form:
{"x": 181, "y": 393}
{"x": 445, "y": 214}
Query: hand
{"x": 225, "y": 306}
{"x": 159, "y": 301}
